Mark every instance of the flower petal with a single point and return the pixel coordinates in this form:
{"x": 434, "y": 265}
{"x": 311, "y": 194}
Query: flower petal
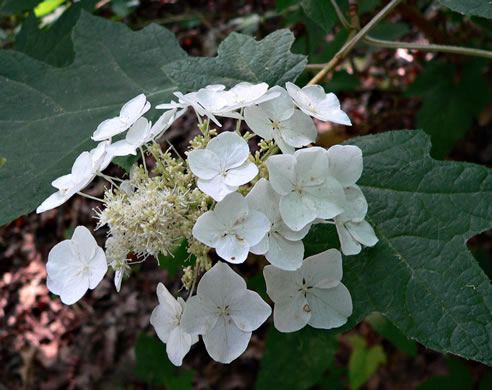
{"x": 290, "y": 316}
{"x": 215, "y": 187}
{"x": 280, "y": 108}
{"x": 232, "y": 249}
{"x": 311, "y": 166}
{"x": 53, "y": 201}
{"x": 282, "y": 286}
{"x": 249, "y": 311}
{"x": 345, "y": 163}
{"x": 232, "y": 208}
{"x": 225, "y": 341}
{"x": 221, "y": 285}
{"x": 138, "y": 132}
{"x": 109, "y": 128}
{"x": 75, "y": 288}
{"x": 264, "y": 199}
{"x": 285, "y": 254}
{"x": 328, "y": 198}
{"x": 241, "y": 175}
{"x": 258, "y": 122}
{"x": 297, "y": 210}
{"x": 98, "y": 267}
{"x": 348, "y": 245}
{"x": 253, "y": 228}
{"x": 231, "y": 149}
{"x": 134, "y": 109}
{"x": 298, "y": 130}
{"x": 282, "y": 170}
{"x": 84, "y": 243}
{"x": 204, "y": 163}
{"x": 208, "y": 229}
{"x": 199, "y": 315}
{"x": 330, "y": 307}
{"x": 363, "y": 232}
{"x": 178, "y": 345}
{"x": 121, "y": 148}
{"x": 355, "y": 206}
{"x": 324, "y": 266}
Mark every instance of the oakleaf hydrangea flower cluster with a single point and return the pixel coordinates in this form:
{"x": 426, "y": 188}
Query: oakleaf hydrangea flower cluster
{"x": 235, "y": 193}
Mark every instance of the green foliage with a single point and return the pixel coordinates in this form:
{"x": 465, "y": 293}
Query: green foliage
{"x": 53, "y": 46}
{"x": 8, "y": 7}
{"x": 154, "y": 367}
{"x": 390, "y": 31}
{"x": 321, "y": 11}
{"x": 126, "y": 162}
{"x": 459, "y": 379}
{"x": 282, "y": 5}
{"x": 47, "y": 7}
{"x": 295, "y": 361}
{"x": 342, "y": 81}
{"x": 451, "y": 99}
{"x": 65, "y": 105}
{"x": 421, "y": 275}
{"x": 470, "y": 7}
{"x": 364, "y": 361}
{"x": 3, "y": 160}
{"x": 179, "y": 259}
{"x": 241, "y": 58}
{"x": 385, "y": 328}
{"x": 257, "y": 283}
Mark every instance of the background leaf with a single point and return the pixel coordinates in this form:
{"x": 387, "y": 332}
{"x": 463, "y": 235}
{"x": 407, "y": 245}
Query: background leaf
{"x": 53, "y": 46}
{"x": 8, "y": 7}
{"x": 321, "y": 11}
{"x": 295, "y": 361}
{"x": 364, "y": 361}
{"x": 241, "y": 58}
{"x": 470, "y": 7}
{"x": 154, "y": 367}
{"x": 459, "y": 379}
{"x": 66, "y": 104}
{"x": 421, "y": 275}
{"x": 385, "y": 328}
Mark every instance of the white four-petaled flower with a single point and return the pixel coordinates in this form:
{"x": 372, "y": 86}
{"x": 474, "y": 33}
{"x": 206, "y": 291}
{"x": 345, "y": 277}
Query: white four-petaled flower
{"x": 166, "y": 320}
{"x": 307, "y": 192}
{"x": 231, "y": 228}
{"x": 311, "y": 295}
{"x": 222, "y": 167}
{"x": 224, "y": 312}
{"x": 281, "y": 246}
{"x": 278, "y": 119}
{"x": 313, "y": 101}
{"x": 75, "y": 265}
{"x": 130, "y": 112}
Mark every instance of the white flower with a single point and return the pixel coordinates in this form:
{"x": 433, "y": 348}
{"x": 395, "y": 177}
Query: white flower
{"x": 225, "y": 313}
{"x": 307, "y": 192}
{"x": 231, "y": 228}
{"x": 281, "y": 246}
{"x": 311, "y": 295}
{"x": 191, "y": 99}
{"x": 279, "y": 120}
{"x": 130, "y": 112}
{"x": 166, "y": 320}
{"x": 219, "y": 102}
{"x": 138, "y": 134}
{"x": 75, "y": 265}
{"x": 345, "y": 164}
{"x": 222, "y": 167}
{"x": 313, "y": 101}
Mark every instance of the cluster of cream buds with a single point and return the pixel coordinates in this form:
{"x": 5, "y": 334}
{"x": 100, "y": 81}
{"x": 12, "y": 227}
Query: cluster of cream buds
{"x": 223, "y": 198}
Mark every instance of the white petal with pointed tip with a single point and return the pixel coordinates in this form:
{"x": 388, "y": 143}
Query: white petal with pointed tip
{"x": 345, "y": 163}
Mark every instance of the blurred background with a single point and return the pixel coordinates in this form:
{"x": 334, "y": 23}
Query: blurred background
{"x": 105, "y": 341}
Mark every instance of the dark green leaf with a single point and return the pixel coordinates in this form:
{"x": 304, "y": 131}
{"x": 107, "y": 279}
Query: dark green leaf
{"x": 154, "y": 367}
{"x": 180, "y": 258}
{"x": 390, "y": 31}
{"x": 486, "y": 381}
{"x": 295, "y": 361}
{"x": 368, "y": 5}
{"x": 342, "y": 81}
{"x": 8, "y": 7}
{"x": 127, "y": 162}
{"x": 385, "y": 328}
{"x": 48, "y": 114}
{"x": 53, "y": 46}
{"x": 451, "y": 100}
{"x": 334, "y": 379}
{"x": 364, "y": 361}
{"x": 257, "y": 283}
{"x": 421, "y": 275}
{"x": 3, "y": 160}
{"x": 281, "y": 5}
{"x": 459, "y": 379}
{"x": 241, "y": 58}
{"x": 321, "y": 11}
{"x": 470, "y": 7}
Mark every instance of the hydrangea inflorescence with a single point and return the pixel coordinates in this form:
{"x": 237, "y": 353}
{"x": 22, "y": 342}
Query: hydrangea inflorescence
{"x": 223, "y": 197}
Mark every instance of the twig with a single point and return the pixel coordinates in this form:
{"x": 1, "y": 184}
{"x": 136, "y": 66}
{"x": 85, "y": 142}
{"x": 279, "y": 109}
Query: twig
{"x": 352, "y": 41}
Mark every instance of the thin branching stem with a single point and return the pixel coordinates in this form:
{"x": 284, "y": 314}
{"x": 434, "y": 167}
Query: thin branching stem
{"x": 90, "y": 197}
